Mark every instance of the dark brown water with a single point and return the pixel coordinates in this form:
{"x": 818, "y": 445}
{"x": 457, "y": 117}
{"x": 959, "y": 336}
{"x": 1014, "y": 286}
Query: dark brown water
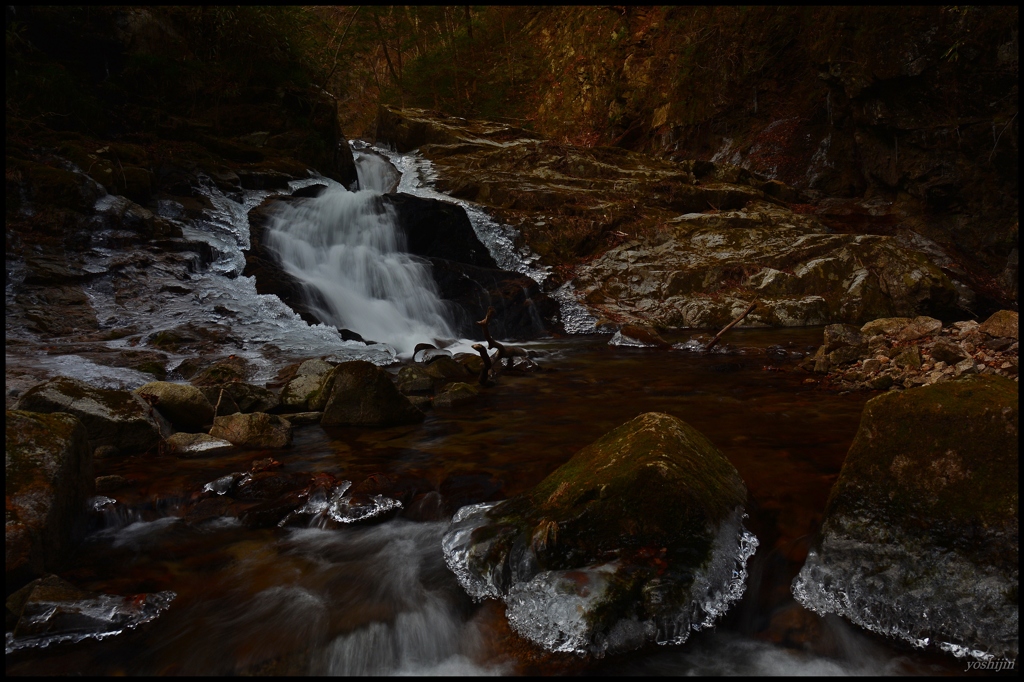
{"x": 378, "y": 598}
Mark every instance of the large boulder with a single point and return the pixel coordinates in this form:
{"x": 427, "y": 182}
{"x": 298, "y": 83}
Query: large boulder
{"x": 1002, "y": 323}
{"x": 183, "y": 405}
{"x": 255, "y": 431}
{"x": 919, "y": 539}
{"x": 361, "y": 394}
{"x": 48, "y": 477}
{"x": 637, "y": 538}
{"x": 116, "y": 418}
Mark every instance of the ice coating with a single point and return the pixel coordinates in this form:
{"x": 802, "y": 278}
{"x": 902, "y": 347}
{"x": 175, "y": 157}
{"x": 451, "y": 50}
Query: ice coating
{"x": 555, "y": 609}
{"x": 847, "y": 585}
{"x": 44, "y": 623}
{"x": 618, "y": 339}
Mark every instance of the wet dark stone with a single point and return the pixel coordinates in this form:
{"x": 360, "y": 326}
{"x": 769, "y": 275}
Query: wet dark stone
{"x": 269, "y": 485}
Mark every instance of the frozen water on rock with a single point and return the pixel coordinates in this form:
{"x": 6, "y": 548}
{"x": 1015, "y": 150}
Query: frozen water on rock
{"x": 967, "y": 605}
{"x": 554, "y": 608}
{"x": 103, "y": 616}
{"x": 619, "y": 339}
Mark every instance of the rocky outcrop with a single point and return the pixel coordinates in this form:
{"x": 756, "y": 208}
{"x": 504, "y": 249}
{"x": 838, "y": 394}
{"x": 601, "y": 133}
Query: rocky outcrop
{"x": 635, "y": 539}
{"x": 705, "y": 240}
{"x": 919, "y": 539}
{"x": 255, "y": 431}
{"x": 47, "y": 479}
{"x": 702, "y": 269}
{"x": 359, "y": 393}
{"x": 114, "y": 418}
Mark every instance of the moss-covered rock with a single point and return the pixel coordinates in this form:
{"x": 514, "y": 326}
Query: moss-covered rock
{"x": 255, "y": 431}
{"x": 456, "y": 394}
{"x": 1002, "y": 323}
{"x": 184, "y": 406}
{"x": 634, "y": 539}
{"x": 919, "y": 538}
{"x": 362, "y": 394}
{"x": 48, "y": 477}
{"x": 111, "y": 417}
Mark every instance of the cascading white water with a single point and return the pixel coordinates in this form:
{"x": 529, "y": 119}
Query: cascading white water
{"x": 347, "y": 247}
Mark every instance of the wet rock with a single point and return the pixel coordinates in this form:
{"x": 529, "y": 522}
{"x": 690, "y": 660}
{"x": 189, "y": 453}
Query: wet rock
{"x": 362, "y": 394}
{"x": 51, "y": 610}
{"x": 297, "y": 418}
{"x": 255, "y": 431}
{"x": 220, "y": 373}
{"x": 249, "y": 398}
{"x": 264, "y": 486}
{"x": 414, "y": 379}
{"x": 308, "y": 378}
{"x": 636, "y": 539}
{"x": 645, "y": 335}
{"x": 456, "y": 395}
{"x": 183, "y": 405}
{"x": 210, "y": 508}
{"x": 963, "y": 367}
{"x": 1003, "y": 323}
{"x": 919, "y": 539}
{"x": 197, "y": 445}
{"x": 444, "y": 369}
{"x": 48, "y": 478}
{"x": 438, "y": 229}
{"x": 112, "y": 483}
{"x": 220, "y": 399}
{"x": 116, "y": 418}
{"x": 844, "y": 355}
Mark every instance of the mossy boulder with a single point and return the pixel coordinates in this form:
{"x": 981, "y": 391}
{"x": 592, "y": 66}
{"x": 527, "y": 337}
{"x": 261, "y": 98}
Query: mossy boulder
{"x": 183, "y": 405}
{"x": 635, "y": 539}
{"x": 414, "y": 379}
{"x": 362, "y": 394}
{"x": 248, "y": 397}
{"x": 48, "y": 477}
{"x": 255, "y": 431}
{"x": 919, "y": 538}
{"x": 111, "y": 417}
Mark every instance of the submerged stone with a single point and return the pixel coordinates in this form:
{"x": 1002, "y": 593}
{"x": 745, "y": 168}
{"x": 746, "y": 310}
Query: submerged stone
{"x": 257, "y": 430}
{"x": 637, "y": 538}
{"x": 919, "y": 539}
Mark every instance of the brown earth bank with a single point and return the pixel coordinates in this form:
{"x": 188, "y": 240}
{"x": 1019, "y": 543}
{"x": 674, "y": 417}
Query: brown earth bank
{"x": 887, "y": 118}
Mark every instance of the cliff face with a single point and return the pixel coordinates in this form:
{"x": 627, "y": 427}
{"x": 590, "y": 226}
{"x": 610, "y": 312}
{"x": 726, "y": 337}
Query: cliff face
{"x": 904, "y": 118}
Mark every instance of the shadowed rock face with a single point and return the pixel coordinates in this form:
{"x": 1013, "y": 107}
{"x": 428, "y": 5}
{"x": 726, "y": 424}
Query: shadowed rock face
{"x": 628, "y": 536}
{"x": 48, "y": 477}
{"x": 927, "y": 498}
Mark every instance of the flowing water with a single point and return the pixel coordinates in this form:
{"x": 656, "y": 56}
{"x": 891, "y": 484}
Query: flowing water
{"x": 377, "y": 598}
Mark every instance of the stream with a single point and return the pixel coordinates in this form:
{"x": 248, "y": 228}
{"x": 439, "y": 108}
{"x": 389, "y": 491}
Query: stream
{"x": 378, "y": 598}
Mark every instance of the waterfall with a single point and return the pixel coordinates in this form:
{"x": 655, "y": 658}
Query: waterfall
{"x": 347, "y": 249}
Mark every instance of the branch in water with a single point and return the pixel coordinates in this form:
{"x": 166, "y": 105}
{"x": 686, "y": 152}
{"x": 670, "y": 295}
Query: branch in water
{"x": 730, "y": 326}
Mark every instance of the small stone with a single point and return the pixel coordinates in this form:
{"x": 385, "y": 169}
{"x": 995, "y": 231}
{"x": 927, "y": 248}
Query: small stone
{"x": 1006, "y": 365}
{"x": 919, "y": 327}
{"x": 940, "y": 365}
{"x": 872, "y": 366}
{"x": 197, "y": 445}
{"x": 908, "y": 358}
{"x": 965, "y": 367}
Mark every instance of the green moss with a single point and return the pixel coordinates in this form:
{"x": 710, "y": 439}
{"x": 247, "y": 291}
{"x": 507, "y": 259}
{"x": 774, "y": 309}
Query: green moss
{"x": 938, "y": 460}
